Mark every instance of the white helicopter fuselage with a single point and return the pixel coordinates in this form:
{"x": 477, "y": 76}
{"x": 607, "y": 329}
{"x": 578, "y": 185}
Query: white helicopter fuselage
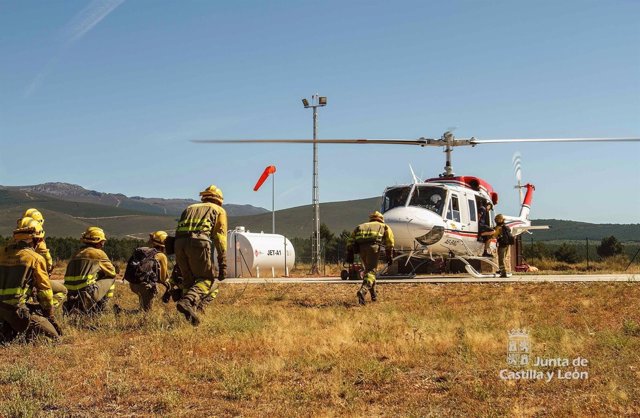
{"x": 440, "y": 216}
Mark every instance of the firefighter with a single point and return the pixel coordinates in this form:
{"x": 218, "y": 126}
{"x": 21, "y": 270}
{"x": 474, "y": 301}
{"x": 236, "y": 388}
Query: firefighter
{"x": 200, "y": 224}
{"x": 503, "y": 248}
{"x": 366, "y": 239}
{"x": 59, "y": 291}
{"x": 90, "y": 275}
{"x": 22, "y": 268}
{"x": 158, "y": 267}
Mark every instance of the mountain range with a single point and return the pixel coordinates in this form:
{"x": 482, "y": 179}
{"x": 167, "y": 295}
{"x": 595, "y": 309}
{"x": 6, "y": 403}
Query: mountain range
{"x": 69, "y": 209}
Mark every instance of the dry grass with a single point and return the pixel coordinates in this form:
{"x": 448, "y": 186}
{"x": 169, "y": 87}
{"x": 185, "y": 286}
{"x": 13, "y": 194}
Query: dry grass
{"x": 616, "y": 264}
{"x": 284, "y": 350}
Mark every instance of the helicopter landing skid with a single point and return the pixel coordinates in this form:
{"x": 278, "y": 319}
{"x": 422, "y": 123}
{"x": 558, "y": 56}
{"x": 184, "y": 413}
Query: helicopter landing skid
{"x": 472, "y": 271}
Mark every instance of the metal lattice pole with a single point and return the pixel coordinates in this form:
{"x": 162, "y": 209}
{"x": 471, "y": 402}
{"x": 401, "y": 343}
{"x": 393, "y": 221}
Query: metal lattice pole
{"x": 316, "y": 101}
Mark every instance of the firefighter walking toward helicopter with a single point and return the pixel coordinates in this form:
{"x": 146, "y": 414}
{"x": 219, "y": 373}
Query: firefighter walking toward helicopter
{"x": 366, "y": 240}
{"x": 199, "y": 225}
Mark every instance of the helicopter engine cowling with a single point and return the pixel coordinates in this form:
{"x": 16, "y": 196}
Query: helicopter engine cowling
{"x": 414, "y": 226}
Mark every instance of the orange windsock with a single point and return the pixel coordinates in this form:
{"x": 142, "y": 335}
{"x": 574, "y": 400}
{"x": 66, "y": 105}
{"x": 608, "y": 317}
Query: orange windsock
{"x": 269, "y": 170}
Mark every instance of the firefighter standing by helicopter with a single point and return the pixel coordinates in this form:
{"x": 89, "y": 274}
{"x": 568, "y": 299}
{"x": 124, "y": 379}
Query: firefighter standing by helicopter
{"x": 503, "y": 236}
{"x": 366, "y": 240}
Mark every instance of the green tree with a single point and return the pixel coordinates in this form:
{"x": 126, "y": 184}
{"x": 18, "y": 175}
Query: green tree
{"x": 609, "y": 247}
{"x": 536, "y": 250}
{"x": 566, "y": 253}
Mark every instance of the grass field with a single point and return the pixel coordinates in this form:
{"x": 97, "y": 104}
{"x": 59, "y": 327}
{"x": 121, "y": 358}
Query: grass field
{"x": 284, "y": 350}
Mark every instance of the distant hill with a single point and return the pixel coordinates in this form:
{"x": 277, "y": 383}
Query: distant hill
{"x": 561, "y": 230}
{"x": 157, "y": 206}
{"x": 338, "y": 216}
{"x": 65, "y": 218}
{"x": 297, "y": 222}
{"x": 69, "y": 209}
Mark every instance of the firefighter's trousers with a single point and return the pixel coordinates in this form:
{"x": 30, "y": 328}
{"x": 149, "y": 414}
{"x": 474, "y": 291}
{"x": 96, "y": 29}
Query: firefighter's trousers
{"x": 503, "y": 263}
{"x": 194, "y": 258}
{"x": 91, "y": 299}
{"x": 146, "y": 292}
{"x": 59, "y": 292}
{"x": 369, "y": 257}
{"x": 17, "y": 320}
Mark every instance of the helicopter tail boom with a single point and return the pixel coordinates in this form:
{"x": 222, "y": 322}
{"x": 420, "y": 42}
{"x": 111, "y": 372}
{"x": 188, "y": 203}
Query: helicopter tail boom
{"x": 526, "y": 202}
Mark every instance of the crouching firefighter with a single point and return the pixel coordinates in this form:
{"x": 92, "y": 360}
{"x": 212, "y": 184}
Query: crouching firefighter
{"x": 90, "y": 275}
{"x": 366, "y": 240}
{"x": 148, "y": 267}
{"x": 59, "y": 291}
{"x": 21, "y": 269}
{"x": 199, "y": 225}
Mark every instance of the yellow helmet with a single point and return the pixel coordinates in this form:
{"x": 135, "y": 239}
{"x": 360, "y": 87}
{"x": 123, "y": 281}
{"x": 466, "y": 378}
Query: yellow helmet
{"x": 93, "y": 235}
{"x": 212, "y": 192}
{"x": 158, "y": 238}
{"x": 376, "y": 216}
{"x": 34, "y": 214}
{"x": 28, "y": 228}
{"x": 499, "y": 218}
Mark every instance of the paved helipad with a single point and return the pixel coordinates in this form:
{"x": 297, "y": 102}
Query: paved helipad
{"x": 524, "y": 278}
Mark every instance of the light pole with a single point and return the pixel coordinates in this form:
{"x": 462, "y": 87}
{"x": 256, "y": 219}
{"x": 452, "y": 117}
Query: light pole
{"x": 316, "y": 102}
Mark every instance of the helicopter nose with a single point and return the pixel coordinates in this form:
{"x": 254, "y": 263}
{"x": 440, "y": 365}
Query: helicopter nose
{"x": 412, "y": 225}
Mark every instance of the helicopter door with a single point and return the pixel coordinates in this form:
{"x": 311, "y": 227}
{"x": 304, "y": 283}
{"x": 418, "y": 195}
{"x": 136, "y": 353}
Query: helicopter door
{"x": 453, "y": 211}
{"x": 473, "y": 215}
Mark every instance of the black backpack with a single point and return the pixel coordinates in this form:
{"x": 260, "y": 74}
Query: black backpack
{"x": 142, "y": 266}
{"x": 506, "y": 237}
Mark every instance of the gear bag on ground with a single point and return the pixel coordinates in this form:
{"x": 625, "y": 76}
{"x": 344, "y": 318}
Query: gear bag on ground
{"x": 143, "y": 267}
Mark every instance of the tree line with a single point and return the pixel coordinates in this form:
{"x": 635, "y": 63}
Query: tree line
{"x": 118, "y": 249}
{"x": 333, "y": 248}
{"x": 575, "y": 253}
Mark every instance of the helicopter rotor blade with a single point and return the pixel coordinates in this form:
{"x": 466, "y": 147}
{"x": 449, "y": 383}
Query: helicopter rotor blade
{"x": 420, "y": 141}
{"x": 474, "y": 141}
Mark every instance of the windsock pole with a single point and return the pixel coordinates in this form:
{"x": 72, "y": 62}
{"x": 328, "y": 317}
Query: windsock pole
{"x": 270, "y": 170}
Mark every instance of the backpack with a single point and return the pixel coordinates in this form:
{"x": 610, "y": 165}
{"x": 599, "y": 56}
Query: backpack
{"x": 142, "y": 266}
{"x": 506, "y": 237}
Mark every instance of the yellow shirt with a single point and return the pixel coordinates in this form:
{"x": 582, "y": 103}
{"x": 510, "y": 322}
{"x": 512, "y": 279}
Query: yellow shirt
{"x": 373, "y": 232}
{"x": 209, "y": 220}
{"x": 21, "y": 268}
{"x": 42, "y": 249}
{"x": 86, "y": 266}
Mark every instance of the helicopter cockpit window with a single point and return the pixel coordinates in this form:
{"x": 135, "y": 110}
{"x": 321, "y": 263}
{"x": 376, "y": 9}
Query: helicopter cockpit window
{"x": 454, "y": 209}
{"x": 428, "y": 197}
{"x": 395, "y": 197}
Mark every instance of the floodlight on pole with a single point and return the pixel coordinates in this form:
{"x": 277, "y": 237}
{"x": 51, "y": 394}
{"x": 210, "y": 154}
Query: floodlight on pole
{"x": 316, "y": 101}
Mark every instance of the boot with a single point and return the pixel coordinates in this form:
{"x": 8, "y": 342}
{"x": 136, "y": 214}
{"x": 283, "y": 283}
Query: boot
{"x": 361, "y": 299}
{"x": 185, "y": 308}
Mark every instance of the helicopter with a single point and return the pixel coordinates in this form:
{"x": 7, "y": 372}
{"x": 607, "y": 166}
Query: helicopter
{"x": 437, "y": 219}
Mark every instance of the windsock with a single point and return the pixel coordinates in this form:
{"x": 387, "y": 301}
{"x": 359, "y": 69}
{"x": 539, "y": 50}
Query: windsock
{"x": 269, "y": 170}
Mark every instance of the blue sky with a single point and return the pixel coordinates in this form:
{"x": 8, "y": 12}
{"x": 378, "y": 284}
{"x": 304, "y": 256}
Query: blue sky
{"x": 106, "y": 94}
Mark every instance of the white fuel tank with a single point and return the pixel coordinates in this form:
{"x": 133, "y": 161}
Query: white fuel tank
{"x": 258, "y": 254}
